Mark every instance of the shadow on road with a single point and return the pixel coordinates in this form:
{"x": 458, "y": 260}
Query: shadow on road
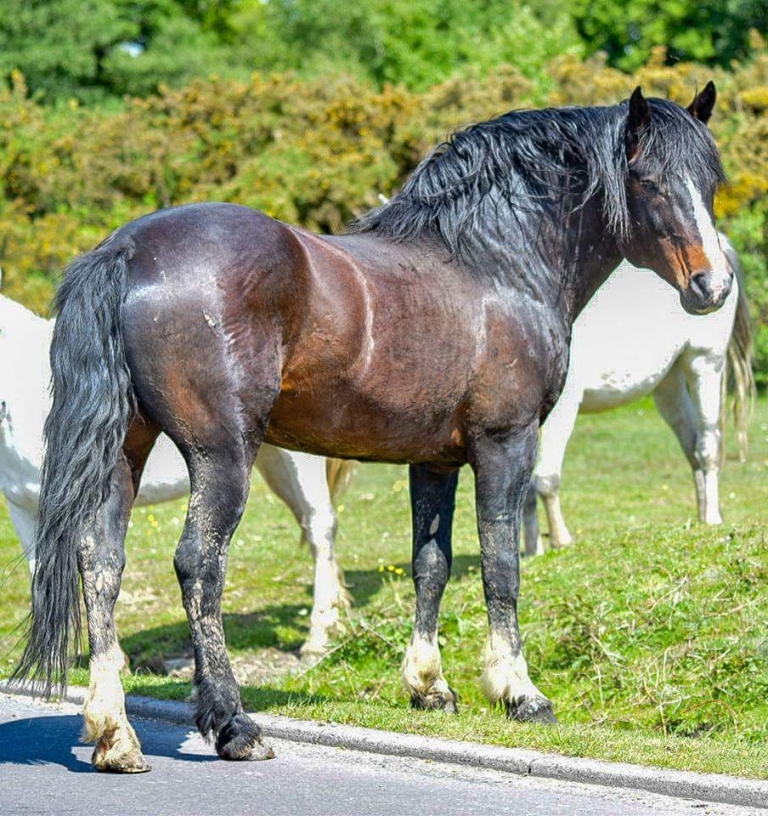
{"x": 51, "y": 741}
{"x": 41, "y": 740}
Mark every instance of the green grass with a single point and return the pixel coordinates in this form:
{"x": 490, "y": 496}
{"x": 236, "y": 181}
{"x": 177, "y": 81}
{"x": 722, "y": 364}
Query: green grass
{"x": 650, "y": 634}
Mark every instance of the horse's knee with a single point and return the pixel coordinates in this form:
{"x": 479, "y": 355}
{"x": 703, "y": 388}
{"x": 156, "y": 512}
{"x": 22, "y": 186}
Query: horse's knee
{"x": 548, "y": 486}
{"x": 321, "y": 528}
{"x": 431, "y": 567}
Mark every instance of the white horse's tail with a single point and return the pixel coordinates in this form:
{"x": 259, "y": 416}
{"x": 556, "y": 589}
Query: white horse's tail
{"x": 738, "y": 377}
{"x": 339, "y": 473}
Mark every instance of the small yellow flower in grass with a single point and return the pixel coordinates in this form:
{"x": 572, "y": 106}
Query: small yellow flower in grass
{"x": 381, "y": 568}
{"x": 150, "y": 518}
{"x": 399, "y": 571}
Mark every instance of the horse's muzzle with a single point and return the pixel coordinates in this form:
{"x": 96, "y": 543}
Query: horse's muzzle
{"x": 706, "y": 293}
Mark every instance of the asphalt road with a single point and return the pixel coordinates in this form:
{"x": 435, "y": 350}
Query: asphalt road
{"x": 44, "y": 770}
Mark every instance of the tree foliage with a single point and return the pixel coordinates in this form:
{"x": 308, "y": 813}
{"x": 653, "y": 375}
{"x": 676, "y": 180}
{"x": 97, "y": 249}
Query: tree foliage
{"x": 93, "y": 49}
{"x": 714, "y": 32}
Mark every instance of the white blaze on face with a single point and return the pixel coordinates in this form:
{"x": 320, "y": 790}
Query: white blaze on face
{"x": 721, "y": 276}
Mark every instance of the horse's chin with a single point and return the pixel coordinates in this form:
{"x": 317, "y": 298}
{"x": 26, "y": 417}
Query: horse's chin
{"x": 695, "y": 306}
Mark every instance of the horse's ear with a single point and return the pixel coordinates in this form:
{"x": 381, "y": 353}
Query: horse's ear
{"x": 703, "y": 103}
{"x": 638, "y": 119}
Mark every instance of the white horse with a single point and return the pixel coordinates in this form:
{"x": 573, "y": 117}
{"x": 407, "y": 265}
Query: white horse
{"x": 307, "y": 484}
{"x": 620, "y": 355}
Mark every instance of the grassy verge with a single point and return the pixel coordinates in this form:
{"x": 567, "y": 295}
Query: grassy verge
{"x": 650, "y": 635}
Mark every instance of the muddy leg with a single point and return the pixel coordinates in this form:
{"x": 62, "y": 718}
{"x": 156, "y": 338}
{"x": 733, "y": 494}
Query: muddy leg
{"x": 220, "y": 479}
{"x": 101, "y": 559}
{"x": 503, "y": 468}
{"x": 433, "y": 497}
{"x": 534, "y": 545}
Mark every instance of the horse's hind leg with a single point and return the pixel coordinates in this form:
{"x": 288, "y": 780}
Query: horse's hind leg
{"x": 299, "y": 479}
{"x": 101, "y": 559}
{"x": 220, "y": 481}
{"x": 704, "y": 373}
{"x": 433, "y": 497}
{"x": 699, "y": 439}
{"x": 534, "y": 545}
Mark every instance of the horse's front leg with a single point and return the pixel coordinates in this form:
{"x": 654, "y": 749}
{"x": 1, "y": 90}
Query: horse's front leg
{"x": 23, "y": 521}
{"x": 433, "y": 497}
{"x": 503, "y": 467}
{"x": 705, "y": 373}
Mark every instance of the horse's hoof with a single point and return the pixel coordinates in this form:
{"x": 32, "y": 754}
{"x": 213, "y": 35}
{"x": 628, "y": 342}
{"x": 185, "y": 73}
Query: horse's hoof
{"x": 531, "y": 709}
{"x": 436, "y": 701}
{"x": 107, "y": 761}
{"x": 310, "y": 657}
{"x": 240, "y": 740}
{"x": 313, "y": 651}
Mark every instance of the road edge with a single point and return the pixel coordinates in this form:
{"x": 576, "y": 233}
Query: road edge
{"x": 729, "y": 790}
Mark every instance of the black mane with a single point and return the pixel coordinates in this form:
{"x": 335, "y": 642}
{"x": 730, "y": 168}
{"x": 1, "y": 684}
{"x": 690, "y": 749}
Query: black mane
{"x": 524, "y": 161}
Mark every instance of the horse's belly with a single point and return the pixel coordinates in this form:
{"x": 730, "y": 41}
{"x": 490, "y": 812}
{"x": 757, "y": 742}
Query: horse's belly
{"x": 352, "y": 426}
{"x": 611, "y": 373}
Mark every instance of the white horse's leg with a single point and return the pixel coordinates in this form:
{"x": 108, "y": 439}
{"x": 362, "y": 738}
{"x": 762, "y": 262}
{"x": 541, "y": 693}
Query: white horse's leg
{"x": 553, "y": 440}
{"x": 24, "y": 523}
{"x": 705, "y": 373}
{"x": 534, "y": 544}
{"x": 679, "y": 411}
{"x": 299, "y": 479}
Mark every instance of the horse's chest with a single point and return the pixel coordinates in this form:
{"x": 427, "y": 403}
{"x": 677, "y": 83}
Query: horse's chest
{"x": 522, "y": 370}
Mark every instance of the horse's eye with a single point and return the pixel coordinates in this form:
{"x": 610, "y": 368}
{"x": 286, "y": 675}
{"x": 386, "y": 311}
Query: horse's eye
{"x": 650, "y": 186}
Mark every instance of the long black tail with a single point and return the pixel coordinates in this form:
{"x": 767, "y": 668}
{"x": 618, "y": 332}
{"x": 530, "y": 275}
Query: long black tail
{"x": 92, "y": 405}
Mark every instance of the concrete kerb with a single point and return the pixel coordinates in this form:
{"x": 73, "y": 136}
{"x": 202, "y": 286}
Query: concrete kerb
{"x": 681, "y": 784}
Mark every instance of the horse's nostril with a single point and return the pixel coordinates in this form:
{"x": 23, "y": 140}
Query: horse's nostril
{"x": 700, "y": 285}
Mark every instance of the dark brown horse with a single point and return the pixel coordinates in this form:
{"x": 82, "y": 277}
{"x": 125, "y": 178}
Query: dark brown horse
{"x": 435, "y": 334}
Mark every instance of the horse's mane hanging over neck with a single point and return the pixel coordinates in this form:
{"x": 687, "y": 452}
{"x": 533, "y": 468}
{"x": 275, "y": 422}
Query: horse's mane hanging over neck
{"x": 526, "y": 162}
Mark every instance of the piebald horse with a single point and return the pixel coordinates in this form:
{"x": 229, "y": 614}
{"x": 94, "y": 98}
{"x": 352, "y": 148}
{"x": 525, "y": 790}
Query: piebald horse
{"x": 435, "y": 334}
{"x": 618, "y": 357}
{"x": 306, "y": 483}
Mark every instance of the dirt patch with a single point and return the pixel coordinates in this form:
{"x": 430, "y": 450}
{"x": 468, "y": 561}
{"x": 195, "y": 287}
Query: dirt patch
{"x": 254, "y": 669}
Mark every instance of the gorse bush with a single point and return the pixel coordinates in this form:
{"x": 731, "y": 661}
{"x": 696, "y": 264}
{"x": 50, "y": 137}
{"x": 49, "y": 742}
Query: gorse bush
{"x": 317, "y": 152}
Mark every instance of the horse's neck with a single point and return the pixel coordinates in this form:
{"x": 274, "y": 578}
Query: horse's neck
{"x": 590, "y": 255}
{"x": 560, "y": 261}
